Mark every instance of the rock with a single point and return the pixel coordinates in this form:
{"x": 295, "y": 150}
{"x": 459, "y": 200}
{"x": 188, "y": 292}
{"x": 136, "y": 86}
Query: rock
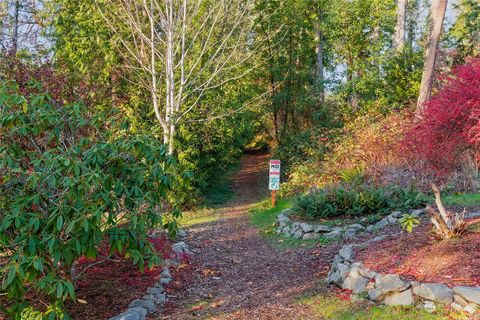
{"x": 350, "y": 233}
{"x": 371, "y": 228}
{"x": 390, "y": 283}
{"x": 333, "y": 234}
{"x": 298, "y": 234}
{"x": 470, "y": 294}
{"x": 158, "y": 298}
{"x": 381, "y": 224}
{"x": 470, "y": 308}
{"x": 395, "y": 214}
{"x": 165, "y": 281}
{"x": 321, "y": 228}
{"x": 374, "y": 294}
{"x": 306, "y": 227}
{"x": 356, "y": 226}
{"x": 132, "y": 314}
{"x": 338, "y": 275}
{"x": 282, "y": 218}
{"x": 286, "y": 212}
{"x": 147, "y": 304}
{"x": 429, "y": 306}
{"x": 180, "y": 247}
{"x": 417, "y": 213}
{"x": 181, "y": 234}
{"x": 286, "y": 230}
{"x": 158, "y": 285}
{"x": 367, "y": 273}
{"x": 347, "y": 252}
{"x": 392, "y": 220}
{"x": 460, "y": 300}
{"x": 166, "y": 273}
{"x": 336, "y": 260}
{"x": 357, "y": 284}
{"x": 434, "y": 291}
{"x": 155, "y": 290}
{"x": 403, "y": 298}
{"x": 455, "y": 306}
{"x": 310, "y": 236}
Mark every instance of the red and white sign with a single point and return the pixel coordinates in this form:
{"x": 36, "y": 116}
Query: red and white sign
{"x": 274, "y": 175}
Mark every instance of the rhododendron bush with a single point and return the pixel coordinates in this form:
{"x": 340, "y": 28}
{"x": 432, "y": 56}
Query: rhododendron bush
{"x": 448, "y": 134}
{"x": 71, "y": 180}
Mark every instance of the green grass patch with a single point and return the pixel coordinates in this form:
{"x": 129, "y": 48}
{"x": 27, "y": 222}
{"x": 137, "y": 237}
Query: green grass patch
{"x": 462, "y": 199}
{"x": 324, "y": 306}
{"x": 263, "y": 216}
{"x": 206, "y": 215}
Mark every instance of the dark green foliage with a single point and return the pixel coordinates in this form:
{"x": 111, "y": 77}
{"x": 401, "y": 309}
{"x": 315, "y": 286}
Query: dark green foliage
{"x": 71, "y": 181}
{"x": 345, "y": 200}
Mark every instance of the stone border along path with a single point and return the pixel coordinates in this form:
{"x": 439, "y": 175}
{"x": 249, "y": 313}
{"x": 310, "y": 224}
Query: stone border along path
{"x": 392, "y": 290}
{"x": 306, "y": 231}
{"x": 156, "y": 295}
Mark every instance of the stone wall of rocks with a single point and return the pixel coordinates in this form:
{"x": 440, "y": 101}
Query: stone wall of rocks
{"x": 156, "y": 296}
{"x": 392, "y": 290}
{"x": 308, "y": 231}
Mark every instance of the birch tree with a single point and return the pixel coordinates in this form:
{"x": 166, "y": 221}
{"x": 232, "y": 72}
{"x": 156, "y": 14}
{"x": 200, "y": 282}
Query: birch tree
{"x": 181, "y": 50}
{"x": 399, "y": 36}
{"x": 438, "y": 8}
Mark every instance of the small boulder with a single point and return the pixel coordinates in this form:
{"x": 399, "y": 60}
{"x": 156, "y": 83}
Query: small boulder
{"x": 357, "y": 284}
{"x": 458, "y": 299}
{"x": 435, "y": 292}
{"x": 180, "y": 247}
{"x": 374, "y": 294}
{"x": 282, "y": 218}
{"x": 350, "y": 233}
{"x": 470, "y": 308}
{"x": 132, "y": 314}
{"x": 338, "y": 275}
{"x": 333, "y": 234}
{"x": 310, "y": 236}
{"x": 403, "y": 298}
{"x": 298, "y": 234}
{"x": 166, "y": 273}
{"x": 429, "y": 306}
{"x": 470, "y": 294}
{"x": 320, "y": 228}
{"x": 390, "y": 283}
{"x": 306, "y": 227}
{"x": 347, "y": 252}
{"x": 286, "y": 230}
{"x": 155, "y": 290}
{"x": 356, "y": 226}
{"x": 146, "y": 304}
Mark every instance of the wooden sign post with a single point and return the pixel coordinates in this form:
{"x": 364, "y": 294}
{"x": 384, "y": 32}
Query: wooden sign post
{"x": 274, "y": 179}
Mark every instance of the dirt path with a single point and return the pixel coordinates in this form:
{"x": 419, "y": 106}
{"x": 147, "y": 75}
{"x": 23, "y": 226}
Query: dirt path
{"x": 234, "y": 273}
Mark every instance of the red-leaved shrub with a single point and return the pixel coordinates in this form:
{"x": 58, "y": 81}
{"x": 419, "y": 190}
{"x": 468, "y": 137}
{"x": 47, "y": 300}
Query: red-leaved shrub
{"x": 448, "y": 134}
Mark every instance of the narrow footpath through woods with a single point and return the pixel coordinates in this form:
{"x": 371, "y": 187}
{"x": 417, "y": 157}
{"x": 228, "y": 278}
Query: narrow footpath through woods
{"x": 235, "y": 273}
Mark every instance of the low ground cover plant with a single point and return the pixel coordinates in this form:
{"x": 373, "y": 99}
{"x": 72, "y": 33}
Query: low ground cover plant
{"x": 344, "y": 200}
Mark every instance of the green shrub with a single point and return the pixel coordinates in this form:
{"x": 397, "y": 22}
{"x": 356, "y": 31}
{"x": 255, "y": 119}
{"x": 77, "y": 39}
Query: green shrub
{"x": 362, "y": 200}
{"x": 69, "y": 182}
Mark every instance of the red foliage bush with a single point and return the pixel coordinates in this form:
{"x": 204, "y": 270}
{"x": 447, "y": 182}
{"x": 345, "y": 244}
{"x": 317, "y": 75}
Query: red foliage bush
{"x": 449, "y": 130}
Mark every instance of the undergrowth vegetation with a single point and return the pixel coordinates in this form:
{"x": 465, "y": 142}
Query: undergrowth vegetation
{"x": 344, "y": 200}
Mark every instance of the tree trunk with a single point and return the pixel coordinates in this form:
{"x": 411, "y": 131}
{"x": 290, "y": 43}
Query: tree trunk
{"x": 438, "y": 8}
{"x": 319, "y": 70}
{"x": 16, "y": 9}
{"x": 399, "y": 36}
